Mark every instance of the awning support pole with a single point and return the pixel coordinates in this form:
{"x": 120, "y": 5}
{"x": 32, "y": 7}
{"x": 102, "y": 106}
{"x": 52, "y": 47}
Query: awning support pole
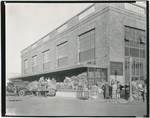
{"x": 88, "y": 76}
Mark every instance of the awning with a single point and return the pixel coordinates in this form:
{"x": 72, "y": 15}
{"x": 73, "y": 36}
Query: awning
{"x": 59, "y": 70}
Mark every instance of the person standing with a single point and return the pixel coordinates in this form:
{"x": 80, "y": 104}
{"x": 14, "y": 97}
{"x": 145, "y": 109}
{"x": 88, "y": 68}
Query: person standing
{"x": 143, "y": 92}
{"x": 127, "y": 91}
{"x": 118, "y": 89}
{"x": 110, "y": 91}
{"x": 107, "y": 91}
{"x": 104, "y": 90}
{"x": 114, "y": 89}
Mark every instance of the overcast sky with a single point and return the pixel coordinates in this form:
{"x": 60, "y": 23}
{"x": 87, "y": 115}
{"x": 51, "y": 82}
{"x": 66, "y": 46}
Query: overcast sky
{"x": 26, "y": 23}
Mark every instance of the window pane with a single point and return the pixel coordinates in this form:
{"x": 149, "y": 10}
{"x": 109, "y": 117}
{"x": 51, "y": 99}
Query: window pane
{"x": 133, "y": 67}
{"x": 127, "y": 71}
{"x": 26, "y": 64}
{"x": 46, "y": 56}
{"x": 46, "y": 65}
{"x": 87, "y": 46}
{"x": 141, "y": 68}
{"x": 126, "y": 51}
{"x": 133, "y": 34}
{"x": 127, "y": 33}
{"x": 137, "y": 67}
{"x": 87, "y": 55}
{"x": 62, "y": 61}
{"x": 134, "y": 52}
{"x": 34, "y": 61}
{"x": 62, "y": 50}
{"x": 142, "y": 53}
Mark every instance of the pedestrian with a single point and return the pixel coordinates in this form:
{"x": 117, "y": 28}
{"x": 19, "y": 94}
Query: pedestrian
{"x": 104, "y": 90}
{"x": 140, "y": 91}
{"x": 114, "y": 90}
{"x": 127, "y": 91}
{"x": 118, "y": 89}
{"x": 107, "y": 91}
{"x": 110, "y": 91}
{"x": 143, "y": 91}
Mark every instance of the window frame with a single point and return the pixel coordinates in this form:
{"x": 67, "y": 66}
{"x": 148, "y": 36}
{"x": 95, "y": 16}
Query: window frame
{"x": 44, "y": 52}
{"x": 93, "y": 33}
{"x": 26, "y": 64}
{"x": 61, "y": 54}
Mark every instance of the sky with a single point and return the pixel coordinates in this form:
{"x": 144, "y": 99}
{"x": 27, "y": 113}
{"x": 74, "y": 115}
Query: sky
{"x": 28, "y": 22}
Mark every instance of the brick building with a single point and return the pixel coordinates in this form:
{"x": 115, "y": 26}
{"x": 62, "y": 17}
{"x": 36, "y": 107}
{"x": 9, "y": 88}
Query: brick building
{"x": 104, "y": 38}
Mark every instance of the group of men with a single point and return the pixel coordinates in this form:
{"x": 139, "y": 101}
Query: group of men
{"x": 112, "y": 91}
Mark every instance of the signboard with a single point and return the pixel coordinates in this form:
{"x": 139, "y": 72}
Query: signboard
{"x": 116, "y": 68}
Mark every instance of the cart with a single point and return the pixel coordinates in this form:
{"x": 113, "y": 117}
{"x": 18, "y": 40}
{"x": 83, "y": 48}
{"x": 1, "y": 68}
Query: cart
{"x": 81, "y": 93}
{"x": 21, "y": 88}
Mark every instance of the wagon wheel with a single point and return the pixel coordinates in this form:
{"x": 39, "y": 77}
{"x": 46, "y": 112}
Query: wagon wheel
{"x": 38, "y": 93}
{"x": 21, "y": 93}
{"x": 31, "y": 93}
{"x": 45, "y": 94}
{"x": 55, "y": 94}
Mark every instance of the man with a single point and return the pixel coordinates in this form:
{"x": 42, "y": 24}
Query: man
{"x": 118, "y": 89}
{"x": 127, "y": 91}
{"x": 104, "y": 90}
{"x": 110, "y": 91}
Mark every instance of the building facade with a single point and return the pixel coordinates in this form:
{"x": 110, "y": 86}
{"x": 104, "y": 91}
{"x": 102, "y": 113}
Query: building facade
{"x": 110, "y": 36}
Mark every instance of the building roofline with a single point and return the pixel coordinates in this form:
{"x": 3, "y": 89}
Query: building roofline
{"x": 72, "y": 18}
{"x": 61, "y": 25}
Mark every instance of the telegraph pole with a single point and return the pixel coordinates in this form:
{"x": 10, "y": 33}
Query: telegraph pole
{"x": 130, "y": 68}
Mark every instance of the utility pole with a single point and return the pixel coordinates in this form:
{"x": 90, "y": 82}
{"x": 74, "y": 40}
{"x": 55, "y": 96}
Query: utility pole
{"x": 130, "y": 77}
{"x": 116, "y": 73}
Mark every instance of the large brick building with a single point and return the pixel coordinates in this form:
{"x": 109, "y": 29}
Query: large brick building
{"x": 105, "y": 37}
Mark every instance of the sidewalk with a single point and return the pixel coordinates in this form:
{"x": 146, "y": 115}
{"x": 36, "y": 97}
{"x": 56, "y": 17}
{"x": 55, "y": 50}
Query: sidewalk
{"x": 72, "y": 95}
{"x": 120, "y": 100}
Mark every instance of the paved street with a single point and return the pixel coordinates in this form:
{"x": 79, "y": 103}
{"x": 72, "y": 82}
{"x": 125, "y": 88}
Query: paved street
{"x": 58, "y": 106}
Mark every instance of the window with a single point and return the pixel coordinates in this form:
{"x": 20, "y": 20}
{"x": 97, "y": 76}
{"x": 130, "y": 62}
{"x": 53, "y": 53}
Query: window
{"x": 142, "y": 39}
{"x": 137, "y": 67}
{"x": 127, "y": 51}
{"x": 62, "y": 61}
{"x": 133, "y": 67}
{"x": 134, "y": 52}
{"x": 141, "y": 68}
{"x": 127, "y": 71}
{"x": 46, "y": 59}
{"x": 87, "y": 46}
{"x": 34, "y": 63}
{"x": 127, "y": 33}
{"x": 62, "y": 50}
{"x": 142, "y": 53}
{"x": 25, "y": 64}
{"x": 46, "y": 56}
{"x": 34, "y": 60}
{"x": 134, "y": 36}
